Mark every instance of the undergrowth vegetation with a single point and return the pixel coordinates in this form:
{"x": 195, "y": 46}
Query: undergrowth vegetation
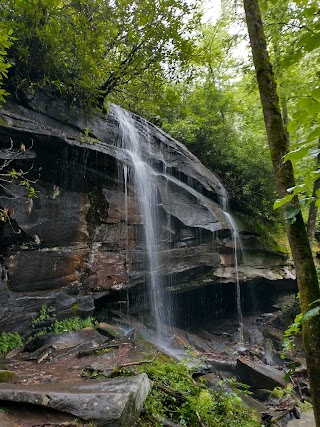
{"x": 9, "y": 341}
{"x": 176, "y": 397}
{"x": 71, "y": 324}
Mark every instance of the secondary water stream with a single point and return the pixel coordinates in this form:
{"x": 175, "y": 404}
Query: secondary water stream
{"x": 237, "y": 250}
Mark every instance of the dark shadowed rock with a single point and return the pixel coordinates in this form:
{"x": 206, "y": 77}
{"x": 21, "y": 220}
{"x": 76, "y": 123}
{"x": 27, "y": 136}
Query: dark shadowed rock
{"x": 114, "y": 402}
{"x": 65, "y": 340}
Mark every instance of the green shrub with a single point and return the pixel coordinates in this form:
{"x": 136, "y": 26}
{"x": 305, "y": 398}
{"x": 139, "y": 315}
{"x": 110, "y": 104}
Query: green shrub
{"x": 9, "y": 341}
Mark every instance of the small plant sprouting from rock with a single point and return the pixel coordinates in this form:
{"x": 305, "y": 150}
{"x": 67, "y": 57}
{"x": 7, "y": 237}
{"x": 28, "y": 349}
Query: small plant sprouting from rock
{"x": 9, "y": 175}
{"x": 280, "y": 392}
{"x": 71, "y": 324}
{"x": 44, "y": 314}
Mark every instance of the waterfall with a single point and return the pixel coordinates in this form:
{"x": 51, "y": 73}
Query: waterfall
{"x": 150, "y": 173}
{"x": 237, "y": 248}
{"x": 130, "y": 141}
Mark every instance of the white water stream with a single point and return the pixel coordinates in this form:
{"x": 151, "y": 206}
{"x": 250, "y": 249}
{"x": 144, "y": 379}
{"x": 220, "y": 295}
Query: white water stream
{"x": 147, "y": 194}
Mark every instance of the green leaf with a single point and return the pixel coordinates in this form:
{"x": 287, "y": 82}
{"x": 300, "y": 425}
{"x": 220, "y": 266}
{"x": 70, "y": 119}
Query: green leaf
{"x": 316, "y": 93}
{"x": 297, "y": 154}
{"x": 291, "y": 59}
{"x": 280, "y": 202}
{"x": 314, "y": 43}
{"x": 306, "y": 201}
{"x": 312, "y": 10}
{"x": 311, "y": 313}
{"x": 292, "y": 126}
{"x": 310, "y": 105}
{"x": 315, "y": 133}
{"x": 296, "y": 189}
{"x": 291, "y": 213}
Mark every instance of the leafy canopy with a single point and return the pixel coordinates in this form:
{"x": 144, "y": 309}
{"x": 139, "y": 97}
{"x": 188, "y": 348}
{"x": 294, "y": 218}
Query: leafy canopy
{"x": 89, "y": 49}
{"x": 5, "y": 43}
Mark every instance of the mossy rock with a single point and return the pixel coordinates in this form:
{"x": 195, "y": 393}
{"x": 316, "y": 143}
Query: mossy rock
{"x": 7, "y": 376}
{"x": 110, "y": 331}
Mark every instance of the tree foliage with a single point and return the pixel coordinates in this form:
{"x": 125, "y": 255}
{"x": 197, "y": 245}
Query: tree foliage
{"x": 89, "y": 49}
{"x": 220, "y": 121}
{"x": 293, "y": 32}
{"x": 5, "y": 43}
{"x": 278, "y": 142}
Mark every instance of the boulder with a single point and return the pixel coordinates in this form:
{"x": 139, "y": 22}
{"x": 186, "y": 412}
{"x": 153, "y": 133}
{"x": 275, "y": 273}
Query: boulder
{"x": 114, "y": 402}
{"x": 258, "y": 375}
{"x": 42, "y": 346}
{"x": 110, "y": 331}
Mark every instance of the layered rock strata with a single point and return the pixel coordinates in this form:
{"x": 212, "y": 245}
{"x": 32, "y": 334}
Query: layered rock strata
{"x": 81, "y": 238}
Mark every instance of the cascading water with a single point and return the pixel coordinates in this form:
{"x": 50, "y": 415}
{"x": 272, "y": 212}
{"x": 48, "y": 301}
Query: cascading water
{"x": 130, "y": 140}
{"x": 137, "y": 169}
{"x": 237, "y": 248}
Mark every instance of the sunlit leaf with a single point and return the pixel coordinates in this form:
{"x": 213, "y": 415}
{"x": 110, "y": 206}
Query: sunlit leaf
{"x": 280, "y": 202}
{"x": 296, "y": 189}
{"x": 314, "y": 134}
{"x": 313, "y": 43}
{"x": 309, "y": 104}
{"x": 297, "y": 154}
{"x": 316, "y": 93}
{"x": 292, "y": 126}
{"x": 292, "y": 59}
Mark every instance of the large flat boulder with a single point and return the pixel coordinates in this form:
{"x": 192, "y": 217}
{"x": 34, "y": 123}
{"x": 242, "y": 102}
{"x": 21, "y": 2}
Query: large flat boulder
{"x": 259, "y": 376}
{"x": 115, "y": 402}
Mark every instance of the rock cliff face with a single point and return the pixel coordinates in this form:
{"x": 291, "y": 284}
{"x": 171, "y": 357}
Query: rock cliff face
{"x": 81, "y": 239}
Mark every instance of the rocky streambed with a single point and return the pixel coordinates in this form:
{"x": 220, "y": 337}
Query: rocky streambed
{"x": 68, "y": 379}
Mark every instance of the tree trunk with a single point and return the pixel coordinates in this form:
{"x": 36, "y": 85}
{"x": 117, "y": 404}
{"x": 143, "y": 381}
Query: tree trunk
{"x": 297, "y": 235}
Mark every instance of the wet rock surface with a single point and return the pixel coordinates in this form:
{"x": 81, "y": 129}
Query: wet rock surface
{"x": 66, "y": 370}
{"x": 81, "y": 239}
